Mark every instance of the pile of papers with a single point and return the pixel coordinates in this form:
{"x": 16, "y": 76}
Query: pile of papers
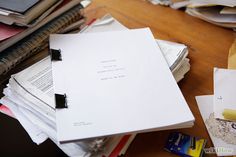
{"x": 222, "y": 13}
{"x": 219, "y": 112}
{"x": 29, "y": 96}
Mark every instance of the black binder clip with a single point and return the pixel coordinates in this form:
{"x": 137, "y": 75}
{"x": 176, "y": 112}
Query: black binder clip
{"x": 61, "y": 101}
{"x": 55, "y": 55}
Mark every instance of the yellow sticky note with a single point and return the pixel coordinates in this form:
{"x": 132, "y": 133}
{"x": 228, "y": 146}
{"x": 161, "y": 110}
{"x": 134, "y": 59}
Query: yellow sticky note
{"x": 229, "y": 114}
{"x": 232, "y": 56}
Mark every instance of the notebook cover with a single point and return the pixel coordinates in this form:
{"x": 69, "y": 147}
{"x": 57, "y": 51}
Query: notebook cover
{"x": 37, "y": 41}
{"x": 20, "y": 6}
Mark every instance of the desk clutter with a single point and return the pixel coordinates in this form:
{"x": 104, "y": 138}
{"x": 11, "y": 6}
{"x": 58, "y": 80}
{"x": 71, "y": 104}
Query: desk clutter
{"x": 25, "y": 27}
{"x": 185, "y": 145}
{"x": 95, "y": 84}
{"x": 221, "y": 13}
{"x": 219, "y": 111}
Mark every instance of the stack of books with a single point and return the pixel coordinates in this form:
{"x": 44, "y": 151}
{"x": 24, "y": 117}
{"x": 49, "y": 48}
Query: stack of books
{"x": 29, "y": 97}
{"x": 25, "y": 27}
{"x": 27, "y": 13}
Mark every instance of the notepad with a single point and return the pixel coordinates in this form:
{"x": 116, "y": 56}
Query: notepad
{"x": 114, "y": 83}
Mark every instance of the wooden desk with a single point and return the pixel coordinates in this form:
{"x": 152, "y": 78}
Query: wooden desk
{"x": 208, "y": 47}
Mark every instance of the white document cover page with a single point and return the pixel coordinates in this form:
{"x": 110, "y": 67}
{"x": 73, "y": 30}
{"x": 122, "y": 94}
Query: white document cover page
{"x": 115, "y": 82}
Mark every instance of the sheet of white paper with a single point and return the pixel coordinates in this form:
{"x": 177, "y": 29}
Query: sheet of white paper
{"x": 205, "y": 105}
{"x": 224, "y": 90}
{"x": 38, "y": 82}
{"x": 117, "y": 75}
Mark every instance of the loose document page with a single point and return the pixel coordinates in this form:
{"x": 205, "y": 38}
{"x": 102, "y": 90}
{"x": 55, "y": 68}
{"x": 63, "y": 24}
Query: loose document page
{"x": 37, "y": 80}
{"x": 115, "y": 82}
{"x": 224, "y": 91}
{"x": 34, "y": 86}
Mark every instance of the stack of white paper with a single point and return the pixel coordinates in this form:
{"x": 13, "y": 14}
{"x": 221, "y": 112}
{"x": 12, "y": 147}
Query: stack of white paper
{"x": 107, "y": 74}
{"x": 175, "y": 55}
{"x": 29, "y": 97}
{"x": 218, "y": 12}
{"x": 221, "y": 130}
